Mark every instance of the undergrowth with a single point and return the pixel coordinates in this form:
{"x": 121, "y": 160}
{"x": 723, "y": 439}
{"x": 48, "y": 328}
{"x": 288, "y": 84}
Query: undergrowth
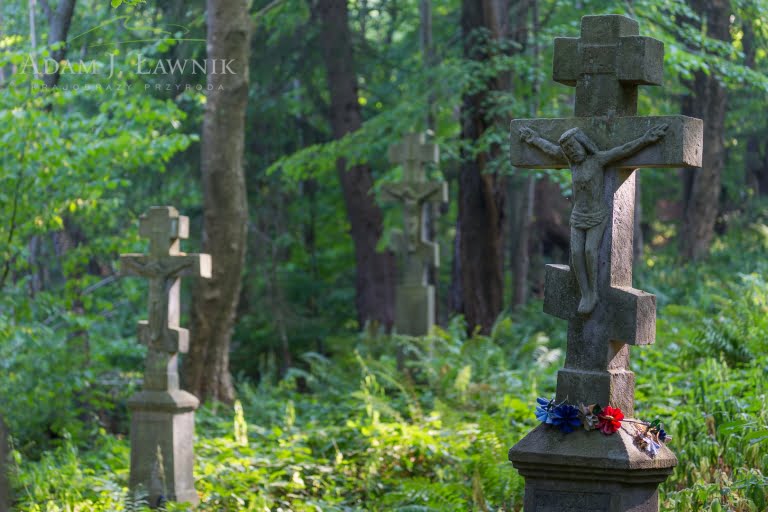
{"x": 362, "y": 435}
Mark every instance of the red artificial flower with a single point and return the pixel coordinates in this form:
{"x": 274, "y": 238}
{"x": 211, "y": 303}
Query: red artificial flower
{"x": 609, "y": 420}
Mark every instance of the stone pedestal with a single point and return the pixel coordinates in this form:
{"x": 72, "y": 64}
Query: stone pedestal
{"x": 589, "y": 472}
{"x": 414, "y": 309}
{"x": 162, "y": 445}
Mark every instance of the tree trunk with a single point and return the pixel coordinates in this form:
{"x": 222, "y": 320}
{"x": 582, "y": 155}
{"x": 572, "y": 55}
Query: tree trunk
{"x": 376, "y": 274}
{"x": 522, "y": 247}
{"x": 756, "y": 162}
{"x": 551, "y": 231}
{"x": 523, "y": 191}
{"x": 427, "y": 55}
{"x": 755, "y": 159}
{"x": 59, "y": 21}
{"x": 5, "y": 461}
{"x": 225, "y": 216}
{"x": 707, "y": 100}
{"x": 456, "y": 292}
{"x": 481, "y": 195}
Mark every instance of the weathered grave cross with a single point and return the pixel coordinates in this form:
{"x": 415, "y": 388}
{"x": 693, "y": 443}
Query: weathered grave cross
{"x": 415, "y": 194}
{"x": 162, "y": 414}
{"x": 415, "y": 310}
{"x": 164, "y": 266}
{"x": 607, "y": 64}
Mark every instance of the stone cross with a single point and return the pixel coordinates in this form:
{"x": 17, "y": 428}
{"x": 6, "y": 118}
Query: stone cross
{"x": 606, "y": 65}
{"x": 415, "y": 311}
{"x": 162, "y": 424}
{"x": 412, "y": 154}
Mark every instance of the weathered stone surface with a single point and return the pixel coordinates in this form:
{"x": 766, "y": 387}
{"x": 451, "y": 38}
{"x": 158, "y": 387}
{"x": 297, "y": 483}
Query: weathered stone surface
{"x": 414, "y": 309}
{"x": 588, "y": 471}
{"x": 606, "y": 64}
{"x": 631, "y": 313}
{"x": 162, "y": 445}
{"x": 412, "y": 154}
{"x": 681, "y": 147}
{"x": 162, "y": 415}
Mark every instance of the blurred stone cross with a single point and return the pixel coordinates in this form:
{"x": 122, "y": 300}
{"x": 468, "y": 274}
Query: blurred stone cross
{"x": 162, "y": 422}
{"x": 415, "y": 297}
{"x": 602, "y": 146}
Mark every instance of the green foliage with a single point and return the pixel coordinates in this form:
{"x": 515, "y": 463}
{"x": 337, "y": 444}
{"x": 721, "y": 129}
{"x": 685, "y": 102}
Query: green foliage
{"x": 342, "y": 429}
{"x": 73, "y": 178}
{"x": 364, "y": 436}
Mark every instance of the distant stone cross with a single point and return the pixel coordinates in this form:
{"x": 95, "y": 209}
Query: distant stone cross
{"x": 162, "y": 414}
{"x": 606, "y": 65}
{"x": 414, "y": 313}
{"x": 164, "y": 266}
{"x": 415, "y": 193}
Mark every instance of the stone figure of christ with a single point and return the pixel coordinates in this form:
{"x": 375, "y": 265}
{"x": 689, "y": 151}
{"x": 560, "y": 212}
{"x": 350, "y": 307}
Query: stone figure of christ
{"x": 590, "y": 212}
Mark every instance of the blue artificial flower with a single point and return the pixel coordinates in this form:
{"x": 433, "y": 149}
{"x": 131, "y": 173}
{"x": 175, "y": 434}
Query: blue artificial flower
{"x": 652, "y": 447}
{"x": 566, "y": 417}
{"x": 544, "y": 410}
{"x": 663, "y": 435}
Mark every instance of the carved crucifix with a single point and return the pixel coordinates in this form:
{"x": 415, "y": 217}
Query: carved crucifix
{"x": 162, "y": 414}
{"x": 415, "y": 194}
{"x": 590, "y": 214}
{"x": 415, "y": 298}
{"x": 164, "y": 266}
{"x": 606, "y": 65}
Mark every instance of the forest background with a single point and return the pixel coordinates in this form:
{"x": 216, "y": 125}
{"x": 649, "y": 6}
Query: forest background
{"x": 276, "y": 176}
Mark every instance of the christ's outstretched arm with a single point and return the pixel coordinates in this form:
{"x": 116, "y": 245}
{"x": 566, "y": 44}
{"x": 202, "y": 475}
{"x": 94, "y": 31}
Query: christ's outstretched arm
{"x": 621, "y": 152}
{"x": 530, "y": 136}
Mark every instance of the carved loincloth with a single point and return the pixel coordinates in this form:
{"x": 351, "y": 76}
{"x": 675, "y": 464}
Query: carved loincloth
{"x": 589, "y": 219}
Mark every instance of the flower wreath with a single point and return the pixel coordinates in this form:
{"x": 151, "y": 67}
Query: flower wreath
{"x": 648, "y": 437}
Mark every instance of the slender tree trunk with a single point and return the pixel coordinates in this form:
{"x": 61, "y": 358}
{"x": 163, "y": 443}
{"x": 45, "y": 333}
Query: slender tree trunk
{"x": 756, "y": 162}
{"x": 521, "y": 255}
{"x": 552, "y": 233}
{"x": 526, "y": 184}
{"x": 375, "y": 281}
{"x": 428, "y": 63}
{"x": 225, "y": 216}
{"x": 481, "y": 195}
{"x": 755, "y": 159}
{"x": 707, "y": 100}
{"x": 59, "y": 21}
{"x": 2, "y": 24}
{"x": 427, "y": 54}
{"x": 5, "y": 461}
{"x": 456, "y": 292}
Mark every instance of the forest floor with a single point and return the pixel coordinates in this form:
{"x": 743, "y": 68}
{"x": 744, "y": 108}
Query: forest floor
{"x": 361, "y": 436}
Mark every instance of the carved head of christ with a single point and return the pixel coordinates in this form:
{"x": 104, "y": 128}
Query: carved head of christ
{"x": 576, "y": 145}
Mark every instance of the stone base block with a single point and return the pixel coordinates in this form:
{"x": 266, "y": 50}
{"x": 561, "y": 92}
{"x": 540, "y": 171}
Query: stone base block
{"x": 589, "y": 472}
{"x": 162, "y": 446}
{"x": 414, "y": 309}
